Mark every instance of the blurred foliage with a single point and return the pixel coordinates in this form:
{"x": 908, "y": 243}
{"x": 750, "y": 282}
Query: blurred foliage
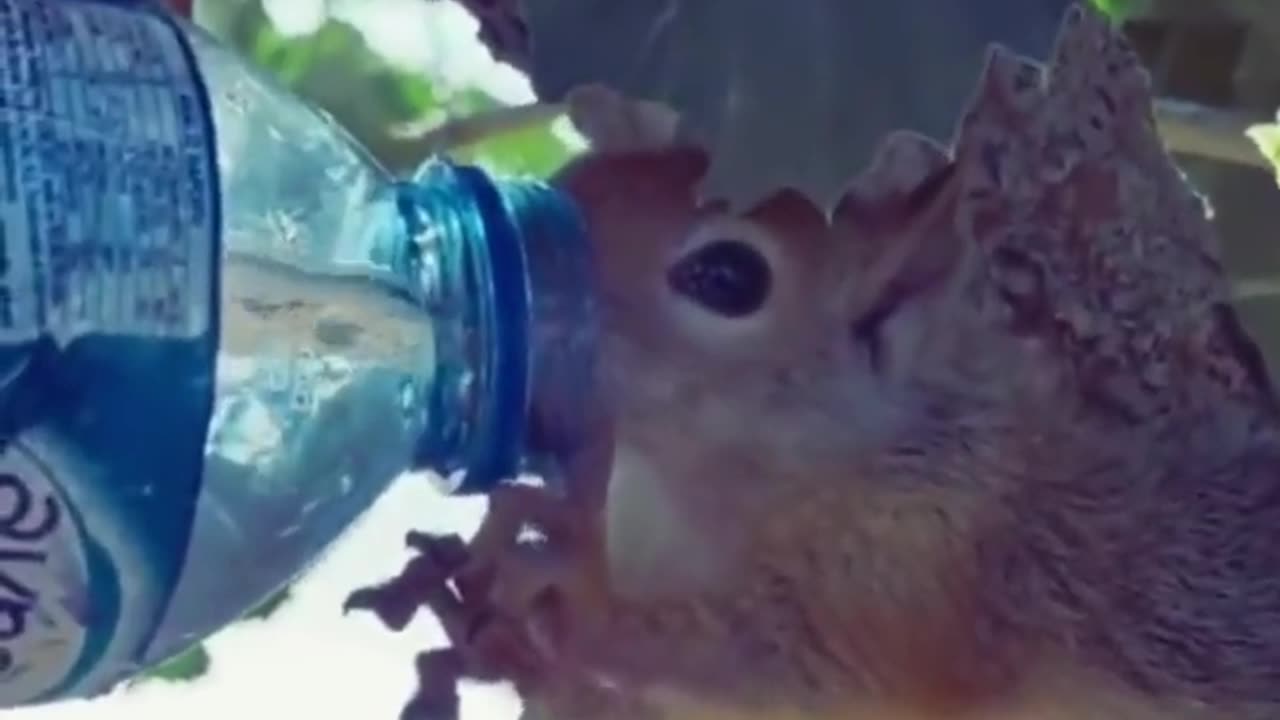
{"x": 268, "y": 607}
{"x": 335, "y": 69}
{"x": 194, "y": 662}
{"x": 188, "y": 665}
{"x": 1120, "y": 10}
{"x": 338, "y": 71}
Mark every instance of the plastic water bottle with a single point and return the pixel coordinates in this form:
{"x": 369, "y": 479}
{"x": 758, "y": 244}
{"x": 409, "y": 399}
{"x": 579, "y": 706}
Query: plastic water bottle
{"x": 224, "y": 330}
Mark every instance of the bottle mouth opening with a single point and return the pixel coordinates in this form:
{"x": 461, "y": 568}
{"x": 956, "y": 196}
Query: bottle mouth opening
{"x": 507, "y": 282}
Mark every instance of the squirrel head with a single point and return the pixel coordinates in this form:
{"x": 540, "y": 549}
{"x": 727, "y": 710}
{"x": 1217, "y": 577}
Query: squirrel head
{"x": 748, "y": 356}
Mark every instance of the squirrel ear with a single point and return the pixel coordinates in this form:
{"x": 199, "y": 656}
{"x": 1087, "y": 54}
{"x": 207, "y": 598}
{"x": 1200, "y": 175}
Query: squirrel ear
{"x": 615, "y": 123}
{"x": 903, "y": 161}
{"x": 897, "y": 211}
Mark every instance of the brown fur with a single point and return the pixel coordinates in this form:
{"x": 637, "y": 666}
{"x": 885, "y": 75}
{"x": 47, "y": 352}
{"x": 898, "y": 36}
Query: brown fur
{"x": 1057, "y": 496}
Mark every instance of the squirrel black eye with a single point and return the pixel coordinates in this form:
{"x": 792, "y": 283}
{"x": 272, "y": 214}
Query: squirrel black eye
{"x": 728, "y": 277}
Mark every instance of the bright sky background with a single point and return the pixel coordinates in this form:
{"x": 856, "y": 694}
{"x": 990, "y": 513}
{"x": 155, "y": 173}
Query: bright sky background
{"x": 308, "y": 661}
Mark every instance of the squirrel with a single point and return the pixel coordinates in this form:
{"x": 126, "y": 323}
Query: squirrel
{"x": 989, "y": 442}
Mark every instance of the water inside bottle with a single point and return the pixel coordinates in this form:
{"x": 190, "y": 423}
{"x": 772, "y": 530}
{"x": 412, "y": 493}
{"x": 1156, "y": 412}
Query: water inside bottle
{"x": 325, "y": 347}
{"x": 267, "y": 302}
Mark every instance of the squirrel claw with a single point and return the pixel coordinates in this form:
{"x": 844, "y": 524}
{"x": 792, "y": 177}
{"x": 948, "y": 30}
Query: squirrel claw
{"x": 423, "y": 582}
{"x": 492, "y": 597}
{"x": 448, "y": 551}
{"x": 391, "y": 606}
{"x": 437, "y": 695}
{"x": 520, "y": 579}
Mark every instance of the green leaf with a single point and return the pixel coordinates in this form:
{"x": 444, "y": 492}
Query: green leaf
{"x": 286, "y": 58}
{"x": 193, "y": 663}
{"x": 1121, "y": 10}
{"x": 533, "y": 151}
{"x": 1267, "y": 138}
{"x": 335, "y": 69}
{"x": 416, "y": 93}
{"x": 189, "y": 665}
{"x": 271, "y": 605}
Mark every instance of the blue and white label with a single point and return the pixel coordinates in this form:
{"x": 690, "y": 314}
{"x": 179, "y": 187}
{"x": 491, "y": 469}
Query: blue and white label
{"x": 43, "y": 580}
{"x": 108, "y": 247}
{"x": 106, "y": 205}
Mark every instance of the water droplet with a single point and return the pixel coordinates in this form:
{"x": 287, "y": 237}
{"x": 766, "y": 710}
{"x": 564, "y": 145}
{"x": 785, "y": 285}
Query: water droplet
{"x": 466, "y": 388}
{"x": 303, "y": 399}
{"x": 408, "y": 396}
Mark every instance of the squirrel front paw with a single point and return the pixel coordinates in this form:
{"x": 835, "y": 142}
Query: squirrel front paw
{"x": 540, "y": 558}
{"x": 483, "y": 645}
{"x": 507, "y": 600}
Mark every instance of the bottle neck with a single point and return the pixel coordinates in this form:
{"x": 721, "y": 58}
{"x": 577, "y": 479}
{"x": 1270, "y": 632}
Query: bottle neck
{"x": 506, "y": 275}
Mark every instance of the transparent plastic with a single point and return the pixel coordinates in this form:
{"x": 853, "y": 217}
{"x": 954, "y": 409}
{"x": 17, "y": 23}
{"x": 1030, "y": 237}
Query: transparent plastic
{"x": 368, "y": 326}
{"x": 225, "y": 330}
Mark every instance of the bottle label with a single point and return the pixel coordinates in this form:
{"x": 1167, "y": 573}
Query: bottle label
{"x": 109, "y": 222}
{"x": 105, "y": 203}
{"x": 43, "y": 578}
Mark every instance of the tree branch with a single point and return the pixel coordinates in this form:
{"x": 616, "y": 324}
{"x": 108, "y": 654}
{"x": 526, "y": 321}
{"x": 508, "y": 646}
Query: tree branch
{"x": 1212, "y": 133}
{"x": 422, "y": 139}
